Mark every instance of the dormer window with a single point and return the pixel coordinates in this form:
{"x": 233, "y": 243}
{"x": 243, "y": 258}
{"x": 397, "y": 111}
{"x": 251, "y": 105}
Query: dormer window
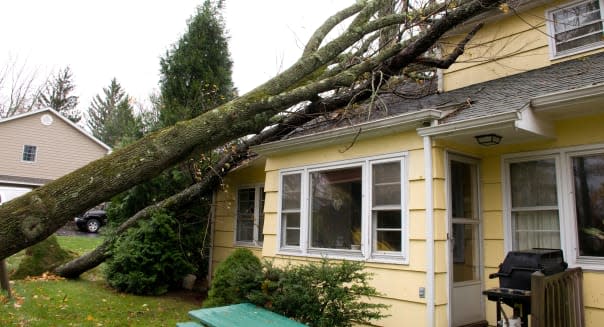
{"x": 29, "y": 153}
{"x": 576, "y": 27}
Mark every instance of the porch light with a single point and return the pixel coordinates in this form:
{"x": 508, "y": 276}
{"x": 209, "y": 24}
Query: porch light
{"x": 488, "y": 139}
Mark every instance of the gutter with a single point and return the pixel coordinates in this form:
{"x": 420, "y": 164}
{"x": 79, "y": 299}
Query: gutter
{"x": 430, "y": 271}
{"x": 471, "y": 125}
{"x": 384, "y": 126}
{"x": 567, "y": 97}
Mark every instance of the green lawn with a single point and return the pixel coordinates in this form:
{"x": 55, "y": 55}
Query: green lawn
{"x": 88, "y": 301}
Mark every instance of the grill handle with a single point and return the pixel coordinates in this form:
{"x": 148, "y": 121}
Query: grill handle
{"x": 498, "y": 274}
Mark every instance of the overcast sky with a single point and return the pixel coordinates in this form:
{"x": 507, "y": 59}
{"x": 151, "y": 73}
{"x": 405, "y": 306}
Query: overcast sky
{"x": 124, "y": 39}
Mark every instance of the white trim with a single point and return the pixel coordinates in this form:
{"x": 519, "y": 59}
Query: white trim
{"x": 564, "y": 98}
{"x": 67, "y": 121}
{"x": 430, "y": 270}
{"x": 475, "y": 162}
{"x": 469, "y": 125}
{"x": 35, "y": 154}
{"x": 378, "y": 127}
{"x": 551, "y": 31}
{"x": 366, "y": 252}
{"x": 566, "y": 202}
{"x": 257, "y": 187}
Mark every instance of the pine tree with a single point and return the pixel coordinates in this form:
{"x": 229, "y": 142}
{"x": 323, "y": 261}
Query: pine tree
{"x": 57, "y": 95}
{"x": 110, "y": 117}
{"x": 196, "y": 72}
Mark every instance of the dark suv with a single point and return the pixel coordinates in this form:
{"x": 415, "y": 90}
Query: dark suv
{"x": 92, "y": 219}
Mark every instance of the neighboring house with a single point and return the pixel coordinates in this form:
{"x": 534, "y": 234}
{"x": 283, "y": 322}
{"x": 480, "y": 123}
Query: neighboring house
{"x": 412, "y": 193}
{"x": 40, "y": 146}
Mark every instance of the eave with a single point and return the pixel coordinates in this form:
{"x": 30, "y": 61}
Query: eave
{"x": 372, "y": 129}
{"x": 577, "y": 102}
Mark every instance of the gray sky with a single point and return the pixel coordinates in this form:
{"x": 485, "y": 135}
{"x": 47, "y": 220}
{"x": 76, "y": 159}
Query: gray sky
{"x": 100, "y": 40}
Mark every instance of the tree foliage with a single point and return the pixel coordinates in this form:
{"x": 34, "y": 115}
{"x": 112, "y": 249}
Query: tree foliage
{"x": 110, "y": 116}
{"x": 327, "y": 68}
{"x": 148, "y": 259}
{"x": 58, "y": 95}
{"x": 321, "y": 294}
{"x": 196, "y": 72}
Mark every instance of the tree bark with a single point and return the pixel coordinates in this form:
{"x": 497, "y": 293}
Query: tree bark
{"x": 4, "y": 282}
{"x": 36, "y": 215}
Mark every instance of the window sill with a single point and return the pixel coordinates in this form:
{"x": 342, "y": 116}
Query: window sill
{"x": 345, "y": 255}
{"x": 248, "y": 245}
{"x": 577, "y": 51}
{"x": 588, "y": 264}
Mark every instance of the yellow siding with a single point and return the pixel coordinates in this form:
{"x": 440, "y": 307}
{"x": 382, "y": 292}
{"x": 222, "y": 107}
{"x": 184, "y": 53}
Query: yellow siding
{"x": 512, "y": 45}
{"x": 223, "y": 242}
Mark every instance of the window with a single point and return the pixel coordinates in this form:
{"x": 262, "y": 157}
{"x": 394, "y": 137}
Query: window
{"x": 588, "y": 182}
{"x": 576, "y": 27}
{"x": 355, "y": 209}
{"x": 556, "y": 200}
{"x": 250, "y": 215}
{"x": 535, "y": 212}
{"x": 29, "y": 153}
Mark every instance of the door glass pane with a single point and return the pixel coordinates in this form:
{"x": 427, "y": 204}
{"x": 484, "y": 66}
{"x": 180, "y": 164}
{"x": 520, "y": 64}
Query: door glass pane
{"x": 588, "y": 176}
{"x": 335, "y": 207}
{"x": 463, "y": 196}
{"x": 465, "y": 252}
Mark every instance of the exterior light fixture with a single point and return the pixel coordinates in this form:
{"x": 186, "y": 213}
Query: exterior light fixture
{"x": 488, "y": 139}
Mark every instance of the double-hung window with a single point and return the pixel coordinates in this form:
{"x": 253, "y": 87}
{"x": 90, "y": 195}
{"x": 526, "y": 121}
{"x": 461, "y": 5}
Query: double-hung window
{"x": 556, "y": 200}
{"x": 350, "y": 209}
{"x": 250, "y": 216}
{"x": 29, "y": 153}
{"x": 576, "y": 27}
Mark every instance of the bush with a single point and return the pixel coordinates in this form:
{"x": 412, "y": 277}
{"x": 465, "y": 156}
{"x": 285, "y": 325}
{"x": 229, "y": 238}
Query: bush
{"x": 319, "y": 294}
{"x": 149, "y": 259}
{"x": 235, "y": 278}
{"x": 42, "y": 257}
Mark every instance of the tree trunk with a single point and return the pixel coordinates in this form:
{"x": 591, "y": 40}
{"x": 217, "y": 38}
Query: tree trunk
{"x": 4, "y": 282}
{"x": 36, "y": 215}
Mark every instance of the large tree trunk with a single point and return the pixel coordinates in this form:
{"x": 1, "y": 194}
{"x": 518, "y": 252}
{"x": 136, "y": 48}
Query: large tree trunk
{"x": 36, "y": 215}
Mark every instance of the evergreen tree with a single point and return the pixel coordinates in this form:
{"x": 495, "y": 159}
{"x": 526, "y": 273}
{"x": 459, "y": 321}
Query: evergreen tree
{"x": 110, "y": 117}
{"x": 57, "y": 95}
{"x": 196, "y": 72}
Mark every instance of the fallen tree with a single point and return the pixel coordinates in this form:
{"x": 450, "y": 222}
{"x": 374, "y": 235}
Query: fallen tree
{"x": 34, "y": 216}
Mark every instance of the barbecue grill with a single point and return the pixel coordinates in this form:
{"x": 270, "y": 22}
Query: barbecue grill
{"x": 515, "y": 278}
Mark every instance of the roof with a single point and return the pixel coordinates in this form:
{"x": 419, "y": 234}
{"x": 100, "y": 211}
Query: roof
{"x": 489, "y": 103}
{"x": 58, "y": 115}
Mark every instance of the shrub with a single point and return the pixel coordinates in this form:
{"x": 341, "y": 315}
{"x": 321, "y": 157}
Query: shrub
{"x": 149, "y": 259}
{"x": 42, "y": 257}
{"x": 319, "y": 294}
{"x": 235, "y": 278}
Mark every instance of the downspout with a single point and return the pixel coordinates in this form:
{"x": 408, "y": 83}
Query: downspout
{"x": 211, "y": 251}
{"x": 429, "y": 231}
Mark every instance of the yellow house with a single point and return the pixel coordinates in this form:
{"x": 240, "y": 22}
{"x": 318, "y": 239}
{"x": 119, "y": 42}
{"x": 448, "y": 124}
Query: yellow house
{"x": 413, "y": 194}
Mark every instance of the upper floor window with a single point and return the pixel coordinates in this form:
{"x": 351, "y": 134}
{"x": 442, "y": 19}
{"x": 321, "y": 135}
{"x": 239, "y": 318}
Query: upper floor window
{"x": 576, "y": 27}
{"x": 354, "y": 209}
{"x": 250, "y": 215}
{"x": 29, "y": 153}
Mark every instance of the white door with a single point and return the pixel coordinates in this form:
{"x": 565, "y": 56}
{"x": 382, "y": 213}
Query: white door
{"x": 465, "y": 243}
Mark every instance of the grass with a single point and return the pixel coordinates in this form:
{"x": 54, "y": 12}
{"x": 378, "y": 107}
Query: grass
{"x": 87, "y": 301}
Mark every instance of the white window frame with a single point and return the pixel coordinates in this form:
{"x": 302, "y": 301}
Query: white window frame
{"x": 569, "y": 242}
{"x": 366, "y": 252}
{"x": 35, "y": 154}
{"x": 551, "y": 31}
{"x": 258, "y": 193}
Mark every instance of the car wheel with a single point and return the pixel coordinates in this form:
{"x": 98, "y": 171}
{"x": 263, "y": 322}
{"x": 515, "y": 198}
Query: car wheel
{"x": 93, "y": 225}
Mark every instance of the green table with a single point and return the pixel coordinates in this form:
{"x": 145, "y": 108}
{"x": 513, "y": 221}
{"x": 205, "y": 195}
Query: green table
{"x": 238, "y": 315}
